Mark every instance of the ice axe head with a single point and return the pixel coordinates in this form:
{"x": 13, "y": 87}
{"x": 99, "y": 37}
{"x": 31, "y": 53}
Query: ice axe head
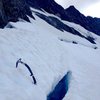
{"x": 18, "y": 62}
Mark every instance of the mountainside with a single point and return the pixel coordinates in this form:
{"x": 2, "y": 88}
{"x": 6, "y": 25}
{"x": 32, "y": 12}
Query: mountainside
{"x": 50, "y": 45}
{"x": 12, "y": 10}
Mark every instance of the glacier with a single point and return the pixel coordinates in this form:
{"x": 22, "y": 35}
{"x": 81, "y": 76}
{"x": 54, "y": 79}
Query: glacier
{"x": 40, "y": 46}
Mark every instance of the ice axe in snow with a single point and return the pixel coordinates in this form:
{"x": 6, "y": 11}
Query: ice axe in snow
{"x": 19, "y": 61}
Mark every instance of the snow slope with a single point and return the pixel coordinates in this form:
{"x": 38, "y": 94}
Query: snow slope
{"x": 40, "y": 46}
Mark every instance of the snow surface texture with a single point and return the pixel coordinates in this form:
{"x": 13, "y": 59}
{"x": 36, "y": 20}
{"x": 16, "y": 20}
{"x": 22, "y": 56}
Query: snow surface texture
{"x": 40, "y": 46}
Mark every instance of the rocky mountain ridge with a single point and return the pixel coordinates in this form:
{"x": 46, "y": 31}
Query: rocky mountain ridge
{"x": 12, "y": 10}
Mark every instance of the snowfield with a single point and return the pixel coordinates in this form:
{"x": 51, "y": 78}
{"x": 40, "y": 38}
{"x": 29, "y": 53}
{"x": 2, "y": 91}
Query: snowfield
{"x": 40, "y": 46}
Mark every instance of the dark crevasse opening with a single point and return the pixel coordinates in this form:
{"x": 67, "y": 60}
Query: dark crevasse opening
{"x": 61, "y": 88}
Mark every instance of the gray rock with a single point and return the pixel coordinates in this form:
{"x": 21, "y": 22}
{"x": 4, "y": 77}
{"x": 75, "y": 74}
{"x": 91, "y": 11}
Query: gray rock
{"x": 15, "y": 9}
{"x": 3, "y": 18}
{"x": 12, "y": 10}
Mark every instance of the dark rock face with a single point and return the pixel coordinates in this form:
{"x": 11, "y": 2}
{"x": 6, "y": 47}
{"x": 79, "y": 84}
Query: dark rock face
{"x": 3, "y": 19}
{"x": 12, "y": 10}
{"x": 15, "y": 9}
{"x": 48, "y": 5}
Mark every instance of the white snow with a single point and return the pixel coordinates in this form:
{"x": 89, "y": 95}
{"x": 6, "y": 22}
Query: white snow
{"x": 39, "y": 45}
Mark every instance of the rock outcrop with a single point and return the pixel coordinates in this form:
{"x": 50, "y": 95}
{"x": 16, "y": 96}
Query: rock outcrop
{"x": 12, "y": 10}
